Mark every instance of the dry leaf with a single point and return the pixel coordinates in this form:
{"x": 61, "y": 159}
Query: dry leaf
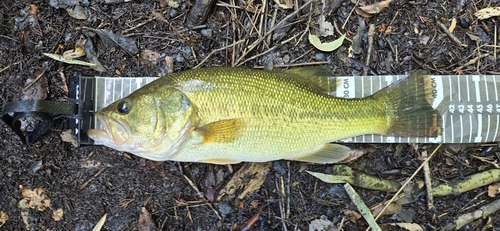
{"x": 33, "y": 10}
{"x": 405, "y": 226}
{"x": 67, "y": 136}
{"x": 35, "y": 198}
{"x": 487, "y": 12}
{"x": 250, "y": 177}
{"x": 285, "y": 4}
{"x": 146, "y": 223}
{"x": 494, "y": 189}
{"x": 391, "y": 209}
{"x": 322, "y": 224}
{"x": 352, "y": 215}
{"x": 373, "y": 9}
{"x": 75, "y": 53}
{"x": 69, "y": 61}
{"x": 3, "y": 218}
{"x": 58, "y": 214}
{"x": 150, "y": 56}
{"x": 163, "y": 3}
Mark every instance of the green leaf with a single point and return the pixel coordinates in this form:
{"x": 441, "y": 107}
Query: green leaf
{"x": 328, "y": 46}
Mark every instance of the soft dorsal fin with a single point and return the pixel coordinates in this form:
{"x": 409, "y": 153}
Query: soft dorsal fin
{"x": 314, "y": 76}
{"x": 223, "y": 131}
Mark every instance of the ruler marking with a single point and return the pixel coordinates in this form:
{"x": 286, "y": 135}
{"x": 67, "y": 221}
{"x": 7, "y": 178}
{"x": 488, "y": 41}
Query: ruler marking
{"x": 452, "y": 129}
{"x": 468, "y": 87}
{"x": 496, "y": 92}
{"x": 476, "y": 80}
{"x": 479, "y": 128}
{"x": 487, "y": 130}
{"x": 486, "y": 88}
{"x": 470, "y": 128}
{"x": 459, "y": 91}
{"x": 496, "y": 129}
{"x": 461, "y": 129}
{"x": 451, "y": 91}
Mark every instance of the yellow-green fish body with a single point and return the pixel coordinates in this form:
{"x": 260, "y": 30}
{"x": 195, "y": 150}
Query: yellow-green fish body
{"x": 229, "y": 115}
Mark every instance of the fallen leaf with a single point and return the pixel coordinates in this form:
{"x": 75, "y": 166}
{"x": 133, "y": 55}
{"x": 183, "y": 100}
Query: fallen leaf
{"x": 67, "y": 136}
{"x": 352, "y": 215}
{"x": 325, "y": 27}
{"x": 126, "y": 43}
{"x": 63, "y": 3}
{"x": 69, "y": 61}
{"x": 494, "y": 189}
{"x": 75, "y": 53}
{"x": 322, "y": 224}
{"x": 33, "y": 10}
{"x": 487, "y": 12}
{"x": 150, "y": 56}
{"x": 391, "y": 209}
{"x": 3, "y": 218}
{"x": 285, "y": 4}
{"x": 250, "y": 177}
{"x": 78, "y": 12}
{"x": 58, "y": 214}
{"x": 163, "y": 3}
{"x": 90, "y": 54}
{"x": 328, "y": 46}
{"x": 251, "y": 222}
{"x": 100, "y": 223}
{"x": 405, "y": 226}
{"x": 146, "y": 223}
{"x": 372, "y": 9}
{"x": 37, "y": 199}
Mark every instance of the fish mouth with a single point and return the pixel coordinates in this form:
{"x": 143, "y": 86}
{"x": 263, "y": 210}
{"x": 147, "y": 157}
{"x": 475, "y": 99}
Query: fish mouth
{"x": 114, "y": 131}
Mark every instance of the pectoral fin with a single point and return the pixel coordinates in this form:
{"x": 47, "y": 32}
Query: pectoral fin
{"x": 330, "y": 153}
{"x": 224, "y": 131}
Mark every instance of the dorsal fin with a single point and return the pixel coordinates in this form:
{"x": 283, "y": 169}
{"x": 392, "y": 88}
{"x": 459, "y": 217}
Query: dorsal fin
{"x": 318, "y": 77}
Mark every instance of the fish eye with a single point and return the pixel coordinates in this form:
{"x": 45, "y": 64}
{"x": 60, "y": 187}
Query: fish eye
{"x": 123, "y": 107}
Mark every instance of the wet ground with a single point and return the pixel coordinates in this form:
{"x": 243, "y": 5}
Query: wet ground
{"x": 88, "y": 182}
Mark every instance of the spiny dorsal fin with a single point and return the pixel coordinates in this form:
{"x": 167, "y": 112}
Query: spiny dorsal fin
{"x": 314, "y": 76}
{"x": 223, "y": 131}
{"x": 330, "y": 153}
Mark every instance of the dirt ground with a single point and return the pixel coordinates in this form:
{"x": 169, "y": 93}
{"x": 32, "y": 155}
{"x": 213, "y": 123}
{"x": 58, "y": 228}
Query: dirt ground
{"x": 88, "y": 182}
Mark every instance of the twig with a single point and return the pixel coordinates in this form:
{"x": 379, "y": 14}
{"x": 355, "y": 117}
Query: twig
{"x": 428, "y": 182}
{"x": 371, "y": 33}
{"x": 350, "y": 13}
{"x": 7, "y": 67}
{"x": 260, "y": 39}
{"x": 217, "y": 50}
{"x": 295, "y": 65}
{"x": 138, "y": 25}
{"x": 408, "y": 181}
{"x": 452, "y": 37}
{"x": 91, "y": 179}
{"x": 281, "y": 188}
{"x": 34, "y": 81}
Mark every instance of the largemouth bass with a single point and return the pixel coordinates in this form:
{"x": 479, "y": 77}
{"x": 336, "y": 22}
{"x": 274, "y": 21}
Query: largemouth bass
{"x": 227, "y": 115}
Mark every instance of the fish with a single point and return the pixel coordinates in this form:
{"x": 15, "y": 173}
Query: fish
{"x": 227, "y": 115}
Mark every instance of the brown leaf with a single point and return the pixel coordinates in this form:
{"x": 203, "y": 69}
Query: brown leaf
{"x": 58, "y": 214}
{"x": 373, "y": 9}
{"x": 352, "y": 215}
{"x": 3, "y": 218}
{"x": 494, "y": 189}
{"x": 391, "y": 209}
{"x": 36, "y": 198}
{"x": 285, "y": 4}
{"x": 150, "y": 56}
{"x": 163, "y": 3}
{"x": 146, "y": 222}
{"x": 33, "y": 10}
{"x": 251, "y": 222}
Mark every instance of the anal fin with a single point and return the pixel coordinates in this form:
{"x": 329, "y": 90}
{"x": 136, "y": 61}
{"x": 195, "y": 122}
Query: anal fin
{"x": 330, "y": 153}
{"x": 221, "y": 161}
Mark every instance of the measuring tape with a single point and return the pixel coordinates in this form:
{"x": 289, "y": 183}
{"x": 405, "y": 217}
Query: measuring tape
{"x": 468, "y": 104}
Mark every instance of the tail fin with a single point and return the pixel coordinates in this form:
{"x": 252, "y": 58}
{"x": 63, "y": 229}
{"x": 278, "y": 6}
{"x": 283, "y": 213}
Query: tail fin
{"x": 409, "y": 110}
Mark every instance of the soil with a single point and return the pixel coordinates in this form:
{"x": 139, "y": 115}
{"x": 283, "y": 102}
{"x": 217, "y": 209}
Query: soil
{"x": 88, "y": 182}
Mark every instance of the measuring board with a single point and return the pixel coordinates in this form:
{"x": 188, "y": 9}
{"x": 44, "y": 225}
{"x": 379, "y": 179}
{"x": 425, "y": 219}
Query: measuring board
{"x": 468, "y": 104}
